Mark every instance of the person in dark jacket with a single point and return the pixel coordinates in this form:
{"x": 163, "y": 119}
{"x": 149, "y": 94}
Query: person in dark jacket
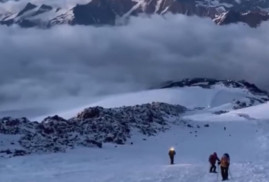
{"x": 172, "y": 154}
{"x": 224, "y": 166}
{"x": 212, "y": 160}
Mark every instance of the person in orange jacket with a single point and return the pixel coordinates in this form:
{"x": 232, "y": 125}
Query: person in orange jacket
{"x": 172, "y": 154}
{"x": 224, "y": 166}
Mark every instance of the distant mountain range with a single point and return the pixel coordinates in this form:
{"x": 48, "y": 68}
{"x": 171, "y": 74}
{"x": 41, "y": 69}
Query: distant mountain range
{"x": 113, "y": 12}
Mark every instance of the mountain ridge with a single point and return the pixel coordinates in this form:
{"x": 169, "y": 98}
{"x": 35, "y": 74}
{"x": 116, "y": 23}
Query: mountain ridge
{"x": 209, "y": 82}
{"x": 111, "y": 12}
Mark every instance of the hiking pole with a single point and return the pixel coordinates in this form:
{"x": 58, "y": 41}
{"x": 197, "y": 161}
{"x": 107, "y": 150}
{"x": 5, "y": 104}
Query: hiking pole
{"x": 217, "y": 176}
{"x": 218, "y": 173}
{"x": 230, "y": 173}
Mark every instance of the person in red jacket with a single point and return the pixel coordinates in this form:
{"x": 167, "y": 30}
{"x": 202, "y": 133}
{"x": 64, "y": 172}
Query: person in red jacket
{"x": 212, "y": 160}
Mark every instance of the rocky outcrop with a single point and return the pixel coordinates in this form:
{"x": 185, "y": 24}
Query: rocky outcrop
{"x": 209, "y": 83}
{"x": 256, "y": 96}
{"x": 252, "y": 18}
{"x": 91, "y": 128}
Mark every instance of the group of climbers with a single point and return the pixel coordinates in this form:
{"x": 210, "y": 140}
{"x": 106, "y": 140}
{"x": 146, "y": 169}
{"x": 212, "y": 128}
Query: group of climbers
{"x": 224, "y": 163}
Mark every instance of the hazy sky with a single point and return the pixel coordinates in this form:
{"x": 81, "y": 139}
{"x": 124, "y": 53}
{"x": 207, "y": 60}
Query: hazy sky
{"x": 66, "y": 66}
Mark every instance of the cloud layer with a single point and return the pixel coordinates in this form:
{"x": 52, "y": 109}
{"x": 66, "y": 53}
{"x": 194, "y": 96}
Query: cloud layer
{"x": 67, "y": 66}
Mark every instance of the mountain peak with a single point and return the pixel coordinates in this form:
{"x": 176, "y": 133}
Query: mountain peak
{"x": 29, "y": 6}
{"x": 108, "y": 12}
{"x": 209, "y": 82}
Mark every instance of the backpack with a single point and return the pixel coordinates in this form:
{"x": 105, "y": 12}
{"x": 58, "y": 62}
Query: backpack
{"x": 212, "y": 159}
{"x": 225, "y": 160}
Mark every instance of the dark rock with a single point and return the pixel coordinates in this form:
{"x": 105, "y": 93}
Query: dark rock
{"x": 97, "y": 12}
{"x": 109, "y": 139}
{"x": 20, "y": 153}
{"x": 208, "y": 83}
{"x": 90, "y": 128}
{"x": 98, "y": 144}
{"x": 220, "y": 112}
{"x": 28, "y": 7}
{"x": 189, "y": 125}
{"x": 119, "y": 141}
{"x": 6, "y": 151}
{"x": 89, "y": 113}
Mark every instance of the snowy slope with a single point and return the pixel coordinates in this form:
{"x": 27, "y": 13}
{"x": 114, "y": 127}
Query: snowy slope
{"x": 204, "y": 100}
{"x": 217, "y": 98}
{"x": 253, "y": 113}
{"x": 147, "y": 160}
{"x": 258, "y": 112}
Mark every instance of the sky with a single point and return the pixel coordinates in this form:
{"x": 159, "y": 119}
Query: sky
{"x": 66, "y": 66}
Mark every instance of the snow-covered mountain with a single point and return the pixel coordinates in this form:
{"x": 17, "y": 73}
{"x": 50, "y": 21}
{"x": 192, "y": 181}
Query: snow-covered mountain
{"x": 197, "y": 93}
{"x": 148, "y": 131}
{"x": 115, "y": 118}
{"x": 112, "y": 12}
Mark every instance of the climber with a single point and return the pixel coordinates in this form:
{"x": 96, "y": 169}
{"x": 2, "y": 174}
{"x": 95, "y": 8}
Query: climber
{"x": 172, "y": 154}
{"x": 224, "y": 166}
{"x": 212, "y": 160}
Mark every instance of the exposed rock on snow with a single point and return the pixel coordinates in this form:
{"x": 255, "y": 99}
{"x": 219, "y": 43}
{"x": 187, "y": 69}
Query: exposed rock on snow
{"x": 90, "y": 128}
{"x": 257, "y": 96}
{"x": 209, "y": 83}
